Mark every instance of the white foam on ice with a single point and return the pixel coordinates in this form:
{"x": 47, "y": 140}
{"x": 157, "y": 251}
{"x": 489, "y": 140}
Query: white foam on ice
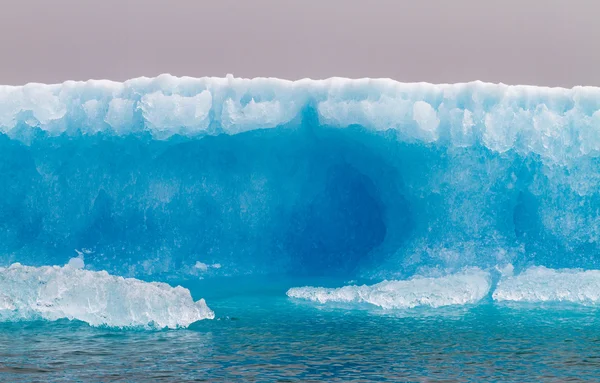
{"x": 541, "y": 284}
{"x": 95, "y": 297}
{"x": 556, "y": 123}
{"x": 466, "y": 287}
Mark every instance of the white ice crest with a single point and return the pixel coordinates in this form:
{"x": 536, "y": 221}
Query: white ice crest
{"x": 468, "y": 286}
{"x": 95, "y": 297}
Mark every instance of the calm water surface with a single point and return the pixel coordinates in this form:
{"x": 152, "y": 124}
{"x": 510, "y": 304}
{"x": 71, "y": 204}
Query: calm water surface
{"x": 268, "y": 337}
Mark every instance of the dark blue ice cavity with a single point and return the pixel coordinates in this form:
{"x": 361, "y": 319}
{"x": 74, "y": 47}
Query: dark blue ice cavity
{"x": 342, "y": 224}
{"x": 269, "y": 201}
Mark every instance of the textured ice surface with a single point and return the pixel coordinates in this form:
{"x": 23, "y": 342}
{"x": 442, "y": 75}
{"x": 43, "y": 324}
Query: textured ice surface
{"x": 468, "y": 286}
{"x": 540, "y": 284}
{"x": 555, "y": 123}
{"x": 368, "y": 177}
{"x": 52, "y": 292}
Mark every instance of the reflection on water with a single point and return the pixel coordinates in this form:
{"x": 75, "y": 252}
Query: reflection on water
{"x": 277, "y": 339}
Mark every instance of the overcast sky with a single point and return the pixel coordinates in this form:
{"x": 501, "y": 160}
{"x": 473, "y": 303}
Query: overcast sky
{"x": 541, "y": 42}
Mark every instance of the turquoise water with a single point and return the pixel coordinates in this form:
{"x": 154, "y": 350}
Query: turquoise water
{"x": 265, "y": 336}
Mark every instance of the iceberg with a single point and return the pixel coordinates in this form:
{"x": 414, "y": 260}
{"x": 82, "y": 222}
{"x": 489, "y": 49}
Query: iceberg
{"x": 95, "y": 297}
{"x": 354, "y": 178}
{"x": 466, "y": 287}
{"x": 540, "y": 284}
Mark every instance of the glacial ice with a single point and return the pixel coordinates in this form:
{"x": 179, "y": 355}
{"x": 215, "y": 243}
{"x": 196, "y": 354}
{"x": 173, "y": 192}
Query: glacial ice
{"x": 368, "y": 178}
{"x": 95, "y": 297}
{"x": 540, "y": 284}
{"x": 556, "y": 123}
{"x": 466, "y": 287}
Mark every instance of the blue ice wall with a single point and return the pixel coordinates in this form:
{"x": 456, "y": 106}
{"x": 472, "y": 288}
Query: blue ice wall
{"x": 336, "y": 177}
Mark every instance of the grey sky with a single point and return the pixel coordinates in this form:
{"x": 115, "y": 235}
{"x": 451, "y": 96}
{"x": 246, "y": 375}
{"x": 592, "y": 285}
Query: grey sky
{"x": 542, "y": 42}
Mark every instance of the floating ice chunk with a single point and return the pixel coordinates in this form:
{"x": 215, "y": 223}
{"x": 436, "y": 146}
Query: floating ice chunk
{"x": 53, "y": 292}
{"x": 468, "y": 286}
{"x": 540, "y": 284}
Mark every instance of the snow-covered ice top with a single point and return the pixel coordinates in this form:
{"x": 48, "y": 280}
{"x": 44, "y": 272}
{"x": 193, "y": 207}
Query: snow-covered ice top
{"x": 555, "y": 123}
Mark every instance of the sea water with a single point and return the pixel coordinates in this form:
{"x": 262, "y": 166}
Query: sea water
{"x": 224, "y": 229}
{"x": 264, "y": 336}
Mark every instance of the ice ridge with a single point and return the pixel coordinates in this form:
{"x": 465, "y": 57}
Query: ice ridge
{"x": 556, "y": 123}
